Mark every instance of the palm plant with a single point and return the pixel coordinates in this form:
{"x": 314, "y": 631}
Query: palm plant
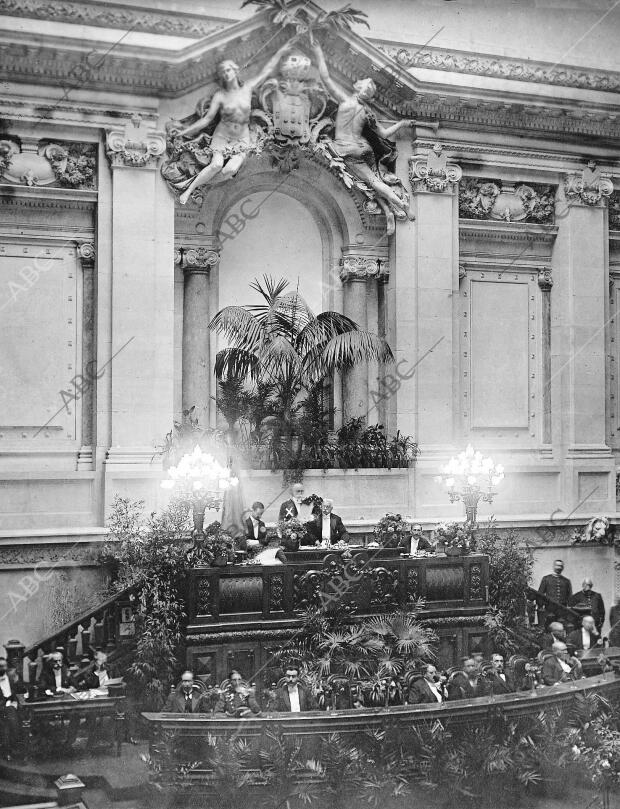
{"x": 283, "y": 344}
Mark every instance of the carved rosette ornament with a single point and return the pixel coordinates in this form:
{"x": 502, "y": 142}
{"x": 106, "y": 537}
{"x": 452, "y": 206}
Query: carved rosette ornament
{"x": 86, "y": 253}
{"x": 589, "y": 187}
{"x": 363, "y": 268}
{"x": 134, "y": 147}
{"x": 433, "y": 172}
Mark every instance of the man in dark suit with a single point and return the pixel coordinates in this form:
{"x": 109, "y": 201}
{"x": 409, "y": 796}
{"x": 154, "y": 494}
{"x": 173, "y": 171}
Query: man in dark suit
{"x": 418, "y": 541}
{"x": 556, "y": 587}
{"x": 588, "y": 602}
{"x": 293, "y": 697}
{"x": 11, "y": 699}
{"x": 55, "y": 678}
{"x": 186, "y": 698}
{"x": 468, "y": 683}
{"x": 499, "y": 680}
{"x": 584, "y": 638}
{"x": 428, "y": 688}
{"x": 555, "y": 633}
{"x": 255, "y": 529}
{"x": 559, "y": 666}
{"x": 290, "y": 508}
{"x": 326, "y": 527}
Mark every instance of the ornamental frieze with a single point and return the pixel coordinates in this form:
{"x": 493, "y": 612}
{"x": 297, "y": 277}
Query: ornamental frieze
{"x": 500, "y": 201}
{"x": 136, "y": 146}
{"x": 49, "y": 555}
{"x": 500, "y": 67}
{"x": 33, "y": 162}
{"x": 362, "y": 268}
{"x": 589, "y": 187}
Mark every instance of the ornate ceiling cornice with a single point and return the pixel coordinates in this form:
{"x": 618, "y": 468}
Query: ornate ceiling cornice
{"x": 500, "y": 67}
{"x": 155, "y": 73}
{"x": 115, "y": 15}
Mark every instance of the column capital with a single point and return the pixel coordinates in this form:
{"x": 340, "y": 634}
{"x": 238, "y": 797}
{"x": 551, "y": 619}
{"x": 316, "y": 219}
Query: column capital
{"x": 360, "y": 263}
{"x": 545, "y": 278}
{"x": 587, "y": 187}
{"x": 135, "y": 146}
{"x": 196, "y": 258}
{"x": 433, "y": 172}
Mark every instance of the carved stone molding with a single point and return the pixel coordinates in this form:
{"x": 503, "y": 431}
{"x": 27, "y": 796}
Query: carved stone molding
{"x": 113, "y": 15}
{"x": 462, "y": 272}
{"x": 499, "y": 201}
{"x": 136, "y": 146}
{"x": 31, "y": 162}
{"x": 545, "y": 278}
{"x": 614, "y": 210}
{"x": 501, "y": 67}
{"x": 433, "y": 172}
{"x": 48, "y": 555}
{"x": 362, "y": 267}
{"x": 589, "y": 187}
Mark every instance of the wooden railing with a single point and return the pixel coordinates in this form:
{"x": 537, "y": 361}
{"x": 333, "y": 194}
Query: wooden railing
{"x": 101, "y": 627}
{"x": 370, "y": 583}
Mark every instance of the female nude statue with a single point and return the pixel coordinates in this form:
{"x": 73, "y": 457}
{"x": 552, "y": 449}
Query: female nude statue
{"x": 231, "y": 138}
{"x": 350, "y": 143}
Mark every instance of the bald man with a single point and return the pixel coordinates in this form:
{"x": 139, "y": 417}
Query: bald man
{"x": 589, "y": 602}
{"x": 586, "y": 637}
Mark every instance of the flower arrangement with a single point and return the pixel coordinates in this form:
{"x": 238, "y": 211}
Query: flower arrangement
{"x": 452, "y": 535}
{"x": 217, "y": 544}
{"x": 391, "y": 530}
{"x": 291, "y": 532}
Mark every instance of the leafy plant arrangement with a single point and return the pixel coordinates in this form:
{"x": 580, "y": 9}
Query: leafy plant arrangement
{"x": 391, "y": 531}
{"x": 149, "y": 551}
{"x": 453, "y": 535}
{"x": 216, "y": 545}
{"x": 291, "y": 533}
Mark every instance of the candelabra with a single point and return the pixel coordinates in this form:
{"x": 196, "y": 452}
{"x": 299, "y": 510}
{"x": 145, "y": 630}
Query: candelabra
{"x": 202, "y": 481}
{"x": 471, "y": 478}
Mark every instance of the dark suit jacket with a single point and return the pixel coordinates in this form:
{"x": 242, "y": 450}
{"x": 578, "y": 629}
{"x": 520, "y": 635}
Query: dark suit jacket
{"x": 249, "y": 533}
{"x": 590, "y": 603}
{"x": 420, "y": 692}
{"x": 423, "y": 545}
{"x": 558, "y": 588}
{"x": 176, "y": 701}
{"x": 500, "y": 686}
{"x": 237, "y": 704}
{"x": 553, "y": 673}
{"x": 88, "y": 679}
{"x": 47, "y": 681}
{"x": 283, "y": 702}
{"x": 337, "y": 531}
{"x": 461, "y": 688}
{"x": 287, "y": 505}
{"x": 614, "y": 620}
{"x": 575, "y": 639}
{"x": 17, "y": 692}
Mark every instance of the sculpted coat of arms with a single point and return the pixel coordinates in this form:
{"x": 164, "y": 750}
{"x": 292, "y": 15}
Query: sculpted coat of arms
{"x": 291, "y": 108}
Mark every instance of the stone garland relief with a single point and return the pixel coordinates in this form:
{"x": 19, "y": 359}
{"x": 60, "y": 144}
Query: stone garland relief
{"x": 497, "y": 200}
{"x": 300, "y": 112}
{"x": 433, "y": 172}
{"x": 31, "y": 162}
{"x": 589, "y": 187}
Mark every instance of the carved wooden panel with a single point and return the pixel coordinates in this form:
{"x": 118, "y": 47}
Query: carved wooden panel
{"x": 243, "y": 594}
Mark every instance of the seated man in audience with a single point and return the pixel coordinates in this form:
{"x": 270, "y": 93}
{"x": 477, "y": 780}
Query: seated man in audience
{"x": 419, "y": 542}
{"x": 240, "y": 700}
{"x": 255, "y": 529}
{"x": 326, "y": 528}
{"x": 556, "y": 633}
{"x": 499, "y": 680}
{"x": 290, "y": 508}
{"x": 468, "y": 683}
{"x": 186, "y": 698}
{"x": 560, "y": 667}
{"x": 95, "y": 675}
{"x": 585, "y": 638}
{"x": 11, "y": 699}
{"x": 55, "y": 677}
{"x": 293, "y": 696}
{"x": 428, "y": 689}
{"x": 589, "y": 602}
